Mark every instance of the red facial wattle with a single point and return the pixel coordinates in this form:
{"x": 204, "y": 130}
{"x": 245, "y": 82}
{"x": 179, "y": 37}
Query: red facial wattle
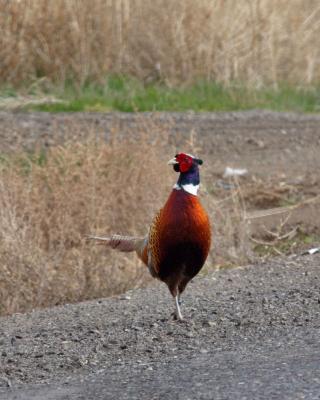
{"x": 185, "y": 162}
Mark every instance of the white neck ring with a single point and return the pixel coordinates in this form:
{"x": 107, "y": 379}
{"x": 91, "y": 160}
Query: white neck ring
{"x": 189, "y": 188}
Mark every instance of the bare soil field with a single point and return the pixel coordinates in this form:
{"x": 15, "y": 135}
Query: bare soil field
{"x": 267, "y": 143}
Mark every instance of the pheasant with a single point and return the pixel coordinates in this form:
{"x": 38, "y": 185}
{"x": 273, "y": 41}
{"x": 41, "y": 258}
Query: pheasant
{"x": 179, "y": 237}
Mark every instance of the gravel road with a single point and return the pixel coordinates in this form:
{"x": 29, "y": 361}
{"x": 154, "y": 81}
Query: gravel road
{"x": 250, "y": 333}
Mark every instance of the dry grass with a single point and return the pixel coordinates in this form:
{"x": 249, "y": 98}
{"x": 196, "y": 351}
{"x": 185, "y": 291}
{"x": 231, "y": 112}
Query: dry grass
{"x": 256, "y": 41}
{"x": 49, "y": 201}
{"x": 231, "y": 228}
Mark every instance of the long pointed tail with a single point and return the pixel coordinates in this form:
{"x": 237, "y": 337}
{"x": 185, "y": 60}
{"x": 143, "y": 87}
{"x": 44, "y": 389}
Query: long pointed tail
{"x": 119, "y": 242}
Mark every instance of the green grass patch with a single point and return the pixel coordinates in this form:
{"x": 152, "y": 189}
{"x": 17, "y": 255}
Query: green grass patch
{"x": 120, "y": 93}
{"x": 23, "y": 162}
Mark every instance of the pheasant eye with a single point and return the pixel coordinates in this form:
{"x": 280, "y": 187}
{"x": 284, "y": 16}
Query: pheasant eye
{"x": 176, "y": 167}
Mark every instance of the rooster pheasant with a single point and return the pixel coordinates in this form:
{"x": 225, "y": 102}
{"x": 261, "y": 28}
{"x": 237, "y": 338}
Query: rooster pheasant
{"x": 179, "y": 237}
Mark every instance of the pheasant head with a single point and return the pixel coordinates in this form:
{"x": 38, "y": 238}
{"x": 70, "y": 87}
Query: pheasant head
{"x": 188, "y": 167}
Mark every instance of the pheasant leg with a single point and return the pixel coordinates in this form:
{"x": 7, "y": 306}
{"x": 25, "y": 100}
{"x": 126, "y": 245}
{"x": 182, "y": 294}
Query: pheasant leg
{"x": 178, "y": 314}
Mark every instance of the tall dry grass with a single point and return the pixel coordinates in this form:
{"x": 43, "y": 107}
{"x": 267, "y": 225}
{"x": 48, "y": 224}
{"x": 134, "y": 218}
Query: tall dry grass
{"x": 48, "y": 203}
{"x": 256, "y": 41}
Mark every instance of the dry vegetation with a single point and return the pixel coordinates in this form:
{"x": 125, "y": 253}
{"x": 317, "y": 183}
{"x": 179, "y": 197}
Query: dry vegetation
{"x": 255, "y": 41}
{"x": 48, "y": 204}
{"x": 49, "y": 201}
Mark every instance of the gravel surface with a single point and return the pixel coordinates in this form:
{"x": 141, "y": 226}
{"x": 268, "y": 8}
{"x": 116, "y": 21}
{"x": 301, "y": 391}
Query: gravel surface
{"x": 250, "y": 332}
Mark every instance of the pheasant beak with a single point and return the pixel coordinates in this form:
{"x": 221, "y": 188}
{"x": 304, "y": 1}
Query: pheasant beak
{"x": 173, "y": 161}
